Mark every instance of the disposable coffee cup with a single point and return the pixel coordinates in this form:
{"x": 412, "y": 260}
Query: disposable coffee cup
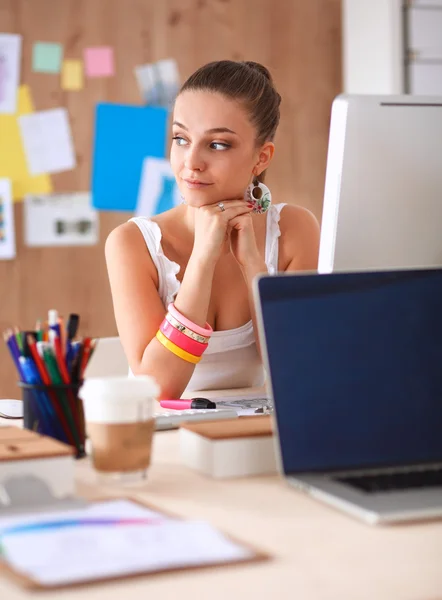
{"x": 120, "y": 423}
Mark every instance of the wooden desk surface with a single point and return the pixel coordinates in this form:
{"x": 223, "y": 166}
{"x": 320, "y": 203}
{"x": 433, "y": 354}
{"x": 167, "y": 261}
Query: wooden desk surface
{"x": 319, "y": 553}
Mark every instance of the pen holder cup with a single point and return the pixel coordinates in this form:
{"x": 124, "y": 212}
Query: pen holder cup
{"x": 55, "y": 411}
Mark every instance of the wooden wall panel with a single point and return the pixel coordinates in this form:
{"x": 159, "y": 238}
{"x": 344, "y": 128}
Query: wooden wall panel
{"x": 299, "y": 40}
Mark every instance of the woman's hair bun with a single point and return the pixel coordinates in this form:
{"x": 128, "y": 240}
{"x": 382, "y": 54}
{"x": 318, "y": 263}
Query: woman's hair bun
{"x": 259, "y": 67}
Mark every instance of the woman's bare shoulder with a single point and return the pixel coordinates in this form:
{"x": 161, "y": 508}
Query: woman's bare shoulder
{"x": 299, "y": 247}
{"x": 127, "y": 235}
{"x": 125, "y": 245}
{"x": 295, "y": 217}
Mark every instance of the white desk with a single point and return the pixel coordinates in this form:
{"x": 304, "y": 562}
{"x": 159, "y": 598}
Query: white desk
{"x": 319, "y": 553}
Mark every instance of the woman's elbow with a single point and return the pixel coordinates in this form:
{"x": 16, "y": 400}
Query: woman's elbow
{"x": 168, "y": 389}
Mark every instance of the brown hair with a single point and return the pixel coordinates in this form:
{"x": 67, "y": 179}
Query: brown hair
{"x": 247, "y": 81}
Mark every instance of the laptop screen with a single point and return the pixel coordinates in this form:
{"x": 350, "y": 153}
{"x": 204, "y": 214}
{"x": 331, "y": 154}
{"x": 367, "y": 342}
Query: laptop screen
{"x": 356, "y": 367}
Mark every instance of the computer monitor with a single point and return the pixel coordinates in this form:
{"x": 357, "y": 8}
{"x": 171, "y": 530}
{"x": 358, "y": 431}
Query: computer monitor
{"x": 383, "y": 189}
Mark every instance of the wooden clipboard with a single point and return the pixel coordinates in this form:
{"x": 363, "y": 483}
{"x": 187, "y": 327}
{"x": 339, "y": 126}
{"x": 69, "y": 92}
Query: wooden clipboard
{"x": 30, "y": 584}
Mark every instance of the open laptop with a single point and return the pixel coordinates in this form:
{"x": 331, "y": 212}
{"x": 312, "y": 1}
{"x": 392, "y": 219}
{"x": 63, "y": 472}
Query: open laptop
{"x": 355, "y": 372}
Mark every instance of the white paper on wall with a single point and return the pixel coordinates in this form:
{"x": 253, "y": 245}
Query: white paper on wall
{"x": 47, "y": 141}
{"x": 60, "y": 220}
{"x": 10, "y": 53}
{"x": 7, "y": 231}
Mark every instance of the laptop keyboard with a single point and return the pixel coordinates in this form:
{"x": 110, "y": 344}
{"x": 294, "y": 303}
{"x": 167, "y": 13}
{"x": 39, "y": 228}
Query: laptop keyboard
{"x": 384, "y": 482}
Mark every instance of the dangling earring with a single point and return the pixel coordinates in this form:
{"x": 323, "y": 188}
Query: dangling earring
{"x": 183, "y": 201}
{"x": 259, "y": 195}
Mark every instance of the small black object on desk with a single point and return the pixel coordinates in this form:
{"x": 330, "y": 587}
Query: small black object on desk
{"x": 202, "y": 403}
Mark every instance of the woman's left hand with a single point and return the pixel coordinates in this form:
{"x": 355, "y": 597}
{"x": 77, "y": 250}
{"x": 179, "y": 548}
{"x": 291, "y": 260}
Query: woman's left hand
{"x": 243, "y": 241}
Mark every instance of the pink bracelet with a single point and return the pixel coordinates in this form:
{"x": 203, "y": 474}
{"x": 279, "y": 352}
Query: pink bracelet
{"x": 193, "y": 326}
{"x": 181, "y": 340}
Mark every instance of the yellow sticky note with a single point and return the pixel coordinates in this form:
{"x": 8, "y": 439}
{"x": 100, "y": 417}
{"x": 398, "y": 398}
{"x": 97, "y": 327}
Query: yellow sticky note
{"x": 72, "y": 75}
{"x": 13, "y": 163}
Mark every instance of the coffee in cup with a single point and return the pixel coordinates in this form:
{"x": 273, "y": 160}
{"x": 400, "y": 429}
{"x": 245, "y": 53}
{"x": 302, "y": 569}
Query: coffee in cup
{"x": 120, "y": 422}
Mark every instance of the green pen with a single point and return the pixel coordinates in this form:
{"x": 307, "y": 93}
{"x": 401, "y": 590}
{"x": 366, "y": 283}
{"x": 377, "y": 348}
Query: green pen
{"x": 39, "y": 331}
{"x": 19, "y": 340}
{"x": 54, "y": 374}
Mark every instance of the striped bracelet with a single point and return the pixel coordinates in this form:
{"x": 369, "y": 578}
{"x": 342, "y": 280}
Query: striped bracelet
{"x": 191, "y": 334}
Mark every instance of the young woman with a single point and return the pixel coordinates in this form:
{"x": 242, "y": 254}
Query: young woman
{"x": 181, "y": 282}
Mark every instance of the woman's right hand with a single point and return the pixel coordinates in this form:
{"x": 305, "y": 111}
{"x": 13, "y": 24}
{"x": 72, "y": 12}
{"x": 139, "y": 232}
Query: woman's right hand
{"x": 212, "y": 227}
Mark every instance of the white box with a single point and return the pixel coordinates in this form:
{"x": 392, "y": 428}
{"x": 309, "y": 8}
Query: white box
{"x": 231, "y": 448}
{"x": 26, "y": 453}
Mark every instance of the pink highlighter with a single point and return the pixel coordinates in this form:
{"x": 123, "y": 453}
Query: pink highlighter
{"x": 186, "y": 404}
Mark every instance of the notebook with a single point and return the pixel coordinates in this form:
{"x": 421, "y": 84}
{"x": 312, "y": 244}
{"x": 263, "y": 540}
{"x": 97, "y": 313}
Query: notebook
{"x": 110, "y": 539}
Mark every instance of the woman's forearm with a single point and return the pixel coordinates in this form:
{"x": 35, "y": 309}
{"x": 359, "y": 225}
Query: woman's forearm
{"x": 193, "y": 299}
{"x": 171, "y": 372}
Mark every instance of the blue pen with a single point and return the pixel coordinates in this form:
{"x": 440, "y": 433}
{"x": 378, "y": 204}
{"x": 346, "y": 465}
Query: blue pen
{"x": 71, "y": 331}
{"x": 11, "y": 342}
{"x": 53, "y": 322}
{"x": 39, "y": 408}
{"x": 32, "y": 376}
{"x": 35, "y": 378}
{"x": 44, "y": 407}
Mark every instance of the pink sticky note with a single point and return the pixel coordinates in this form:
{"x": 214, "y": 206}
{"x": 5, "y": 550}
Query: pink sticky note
{"x": 99, "y": 61}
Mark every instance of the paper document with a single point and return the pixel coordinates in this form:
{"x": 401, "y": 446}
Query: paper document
{"x": 7, "y": 232}
{"x": 158, "y": 190}
{"x": 60, "y": 220}
{"x": 10, "y": 53}
{"x": 246, "y": 404}
{"x": 47, "y": 140}
{"x": 84, "y": 549}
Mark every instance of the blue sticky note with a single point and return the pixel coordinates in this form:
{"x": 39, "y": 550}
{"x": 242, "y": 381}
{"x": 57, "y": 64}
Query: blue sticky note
{"x": 124, "y": 136}
{"x": 47, "y": 57}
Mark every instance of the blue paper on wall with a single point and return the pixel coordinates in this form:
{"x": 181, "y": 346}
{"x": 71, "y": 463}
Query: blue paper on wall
{"x": 124, "y": 136}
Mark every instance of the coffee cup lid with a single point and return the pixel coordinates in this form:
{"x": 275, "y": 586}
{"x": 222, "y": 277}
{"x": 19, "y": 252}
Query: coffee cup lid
{"x": 140, "y": 386}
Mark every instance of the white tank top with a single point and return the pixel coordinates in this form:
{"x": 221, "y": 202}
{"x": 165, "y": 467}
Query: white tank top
{"x": 231, "y": 359}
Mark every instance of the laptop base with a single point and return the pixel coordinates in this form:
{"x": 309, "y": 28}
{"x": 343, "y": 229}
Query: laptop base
{"x": 381, "y": 508}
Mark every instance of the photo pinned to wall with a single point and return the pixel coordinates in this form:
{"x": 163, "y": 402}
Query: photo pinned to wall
{"x": 159, "y": 82}
{"x": 7, "y": 231}
{"x": 158, "y": 190}
{"x": 10, "y": 54}
{"x": 60, "y": 220}
{"x": 47, "y": 140}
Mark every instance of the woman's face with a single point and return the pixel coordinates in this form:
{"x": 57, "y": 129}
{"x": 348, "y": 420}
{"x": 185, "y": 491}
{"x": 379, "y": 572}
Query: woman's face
{"x": 214, "y": 151}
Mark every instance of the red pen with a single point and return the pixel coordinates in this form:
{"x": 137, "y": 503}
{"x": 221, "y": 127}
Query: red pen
{"x": 185, "y": 404}
{"x": 85, "y": 356}
{"x": 41, "y": 367}
{"x": 74, "y": 404}
{"x": 59, "y": 358}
